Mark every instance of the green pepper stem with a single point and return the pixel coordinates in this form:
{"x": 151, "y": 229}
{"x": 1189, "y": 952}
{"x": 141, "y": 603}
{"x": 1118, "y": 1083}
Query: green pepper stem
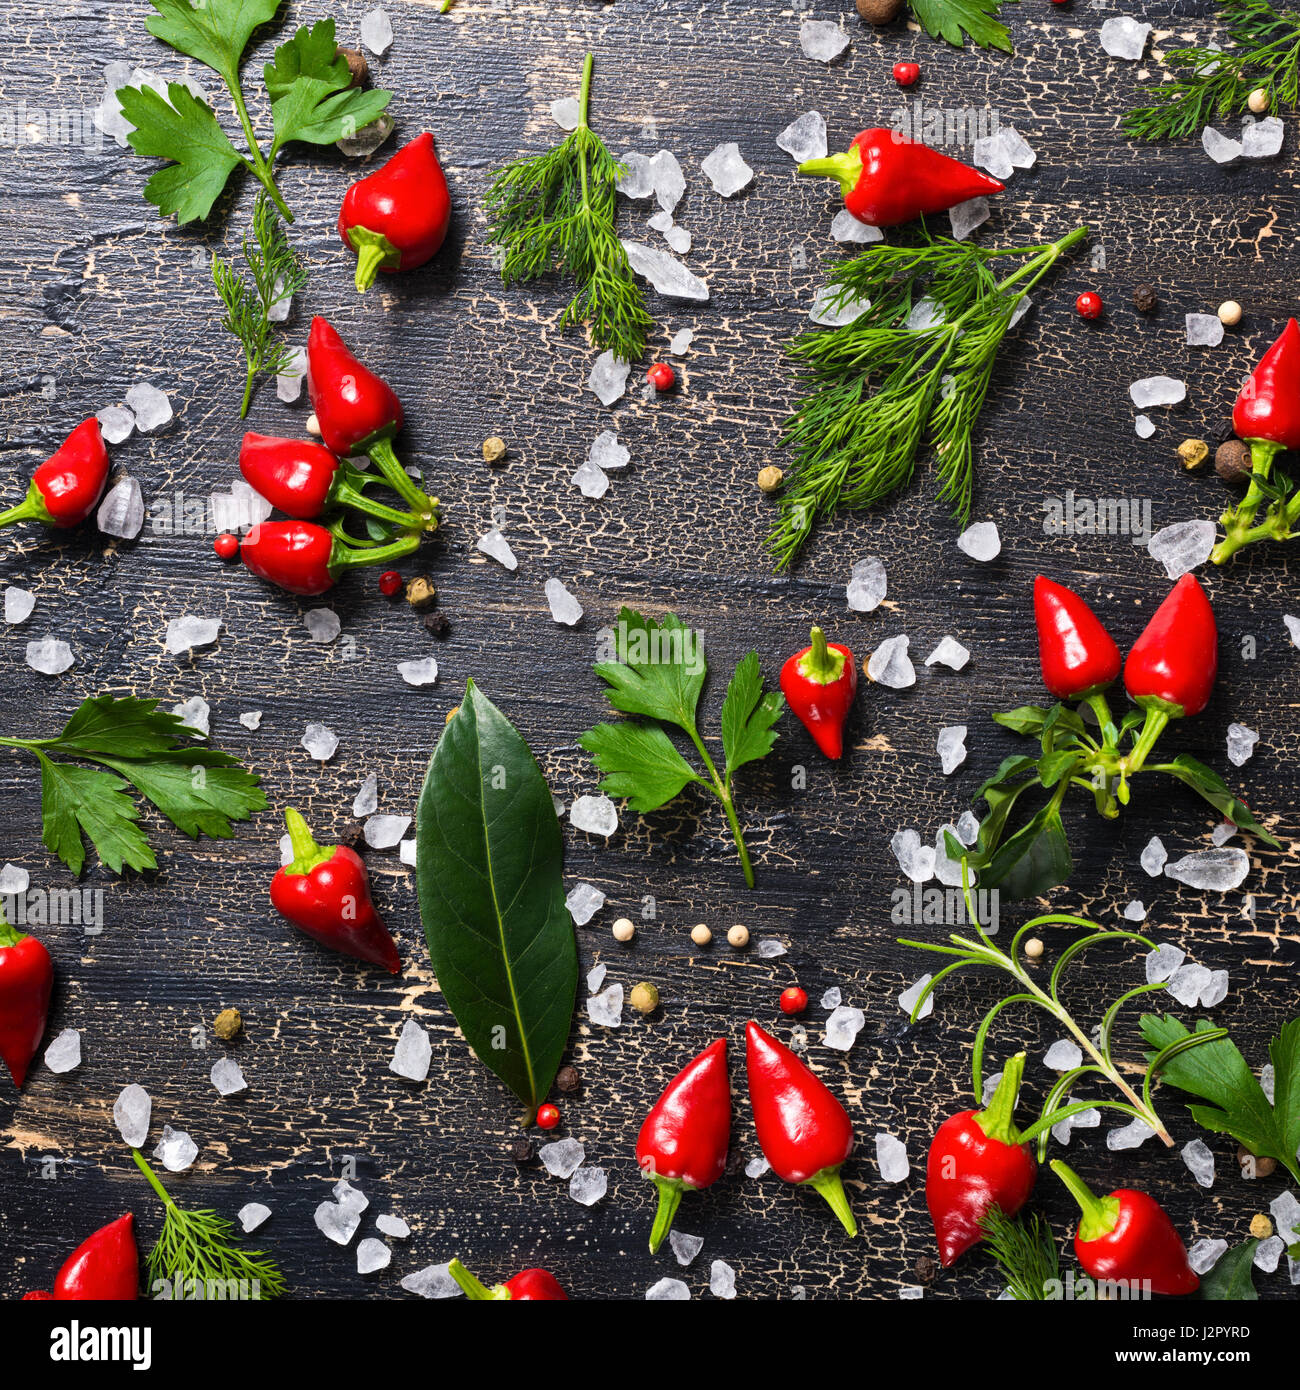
{"x": 348, "y": 494}
{"x": 307, "y": 854}
{"x": 9, "y": 935}
{"x": 1099, "y": 1213}
{"x": 830, "y": 1185}
{"x": 821, "y": 665}
{"x": 997, "y": 1119}
{"x": 31, "y": 508}
{"x": 1152, "y": 728}
{"x": 382, "y": 455}
{"x": 845, "y": 168}
{"x": 475, "y": 1289}
{"x": 670, "y": 1198}
{"x": 344, "y": 556}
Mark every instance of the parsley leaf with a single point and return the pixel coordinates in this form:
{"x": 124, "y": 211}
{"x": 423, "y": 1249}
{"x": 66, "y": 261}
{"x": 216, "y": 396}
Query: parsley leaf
{"x": 1218, "y": 1073}
{"x": 199, "y": 789}
{"x": 312, "y": 97}
{"x": 215, "y": 32}
{"x": 183, "y": 129}
{"x": 659, "y": 674}
{"x": 955, "y": 19}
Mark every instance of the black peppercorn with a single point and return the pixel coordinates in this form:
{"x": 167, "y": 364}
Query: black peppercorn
{"x": 520, "y": 1151}
{"x": 437, "y": 624}
{"x": 1144, "y": 298}
{"x": 926, "y": 1269}
{"x": 567, "y": 1080}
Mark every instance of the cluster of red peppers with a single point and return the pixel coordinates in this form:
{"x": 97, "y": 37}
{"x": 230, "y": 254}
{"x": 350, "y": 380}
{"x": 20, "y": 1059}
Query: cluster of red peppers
{"x": 1169, "y": 674}
{"x": 978, "y": 1162}
{"x": 67, "y": 487}
{"x": 359, "y": 414}
{"x": 1266, "y": 417}
{"x": 325, "y": 892}
{"x": 804, "y": 1132}
{"x": 888, "y": 179}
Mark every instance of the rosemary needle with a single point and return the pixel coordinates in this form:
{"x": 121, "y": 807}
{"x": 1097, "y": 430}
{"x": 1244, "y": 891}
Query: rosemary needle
{"x": 556, "y": 212}
{"x": 913, "y": 367}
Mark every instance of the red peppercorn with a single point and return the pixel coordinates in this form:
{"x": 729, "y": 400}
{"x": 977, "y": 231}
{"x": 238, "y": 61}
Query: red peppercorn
{"x": 548, "y": 1116}
{"x": 389, "y": 583}
{"x": 661, "y": 376}
{"x": 906, "y": 73}
{"x": 226, "y": 545}
{"x": 1088, "y": 305}
{"x": 794, "y": 1000}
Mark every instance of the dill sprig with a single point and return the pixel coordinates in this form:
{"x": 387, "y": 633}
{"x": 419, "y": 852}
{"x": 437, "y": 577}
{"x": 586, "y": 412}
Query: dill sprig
{"x": 202, "y": 1251}
{"x": 913, "y": 368}
{"x": 556, "y": 212}
{"x": 1025, "y": 1252}
{"x": 276, "y": 276}
{"x": 1263, "y": 52}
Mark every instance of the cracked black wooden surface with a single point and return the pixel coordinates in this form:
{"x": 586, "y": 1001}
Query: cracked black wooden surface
{"x": 98, "y": 293}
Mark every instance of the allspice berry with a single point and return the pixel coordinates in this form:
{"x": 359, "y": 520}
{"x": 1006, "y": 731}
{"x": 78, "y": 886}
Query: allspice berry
{"x": 738, "y": 936}
{"x": 1033, "y": 948}
{"x": 1230, "y": 313}
{"x": 1232, "y": 461}
{"x": 1193, "y": 453}
{"x": 567, "y": 1080}
{"x": 644, "y": 998}
{"x": 228, "y": 1024}
{"x": 1144, "y": 298}
{"x": 357, "y": 65}
{"x": 1254, "y": 1166}
{"x": 879, "y": 11}
{"x": 420, "y": 592}
{"x": 623, "y": 929}
{"x": 770, "y": 478}
{"x": 1260, "y": 1226}
{"x": 436, "y": 625}
{"x": 494, "y": 449}
{"x": 700, "y": 934}
{"x": 1258, "y": 100}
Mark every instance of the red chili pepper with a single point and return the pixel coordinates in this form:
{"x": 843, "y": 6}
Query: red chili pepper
{"x": 66, "y": 488}
{"x": 682, "y": 1146}
{"x": 1173, "y": 664}
{"x": 325, "y": 892}
{"x": 803, "y": 1130}
{"x": 530, "y": 1286}
{"x": 978, "y": 1162}
{"x": 1267, "y": 413}
{"x": 358, "y": 412}
{"x": 820, "y": 683}
{"x": 304, "y": 479}
{"x": 37, "y": 1295}
{"x": 888, "y": 179}
{"x": 1128, "y": 1236}
{"x": 26, "y": 979}
{"x": 397, "y": 218}
{"x": 1078, "y": 656}
{"x": 307, "y": 559}
{"x": 104, "y": 1267}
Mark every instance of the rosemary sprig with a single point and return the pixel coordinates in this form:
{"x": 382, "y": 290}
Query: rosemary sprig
{"x": 201, "y": 1251}
{"x": 1263, "y": 52}
{"x": 1025, "y": 1252}
{"x": 913, "y": 367}
{"x": 556, "y": 212}
{"x": 276, "y": 276}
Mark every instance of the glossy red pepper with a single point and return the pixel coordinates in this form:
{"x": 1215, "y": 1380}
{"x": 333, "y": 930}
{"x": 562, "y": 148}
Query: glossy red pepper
{"x": 1267, "y": 413}
{"x": 38, "y": 1296}
{"x": 530, "y": 1286}
{"x": 105, "y": 1266}
{"x": 888, "y": 179}
{"x": 325, "y": 892}
{"x": 26, "y": 979}
{"x": 804, "y": 1132}
{"x": 1128, "y": 1237}
{"x": 1173, "y": 664}
{"x": 1078, "y": 656}
{"x": 682, "y": 1146}
{"x": 303, "y": 480}
{"x": 820, "y": 684}
{"x": 67, "y": 487}
{"x": 305, "y": 558}
{"x": 357, "y": 411}
{"x": 976, "y": 1162}
{"x": 397, "y": 218}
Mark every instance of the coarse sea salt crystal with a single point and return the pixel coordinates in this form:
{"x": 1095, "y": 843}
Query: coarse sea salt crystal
{"x": 889, "y": 664}
{"x": 412, "y": 1053}
{"x": 1241, "y": 744}
{"x": 366, "y": 801}
{"x": 636, "y": 181}
{"x": 947, "y": 869}
{"x": 596, "y": 977}
{"x": 948, "y": 653}
{"x": 668, "y": 1291}
{"x": 1129, "y": 1136}
{"x": 669, "y": 181}
{"x": 194, "y": 713}
{"x": 377, "y": 31}
{"x": 832, "y": 308}
{"x": 372, "y": 1255}
{"x": 393, "y": 1226}
{"x": 493, "y": 544}
{"x": 667, "y": 275}
{"x": 606, "y": 1008}
{"x": 131, "y": 1112}
{"x": 1187, "y": 982}
{"x": 433, "y": 1281}
{"x": 968, "y": 827}
{"x": 891, "y": 1158}
{"x": 915, "y": 859}
{"x": 608, "y": 378}
{"x": 49, "y": 656}
{"x": 1218, "y": 870}
{"x": 951, "y": 747}
{"x": 685, "y": 1247}
{"x": 175, "y": 1150}
{"x": 1063, "y": 1055}
{"x": 322, "y": 624}
{"x": 965, "y": 217}
{"x": 383, "y": 832}
{"x": 251, "y": 719}
{"x": 1205, "y": 1254}
{"x": 1163, "y": 962}
{"x": 843, "y": 1026}
{"x": 121, "y": 513}
{"x": 907, "y": 1000}
{"x": 1203, "y": 330}
{"x": 116, "y": 424}
{"x": 1157, "y": 390}
{"x": 1262, "y": 139}
{"x": 562, "y": 1158}
{"x": 868, "y": 584}
{"x": 1199, "y": 1158}
{"x": 591, "y": 480}
{"x": 1143, "y": 427}
{"x": 150, "y": 406}
{"x": 321, "y": 742}
{"x": 252, "y": 1215}
{"x": 584, "y": 901}
{"x": 18, "y": 604}
{"x": 588, "y": 1186}
{"x": 822, "y": 40}
{"x": 1180, "y": 548}
{"x": 227, "y": 1076}
{"x": 1123, "y": 37}
{"x": 288, "y": 383}
{"x": 679, "y": 344}
{"x": 771, "y": 947}
{"x": 421, "y": 671}
{"x": 1222, "y": 833}
{"x": 566, "y": 112}
{"x": 1154, "y": 856}
{"x": 1221, "y": 148}
{"x": 607, "y": 453}
{"x": 1135, "y": 911}
{"x": 596, "y": 815}
{"x": 804, "y": 138}
{"x": 564, "y": 607}
{"x": 64, "y": 1053}
{"x": 726, "y": 169}
{"x": 186, "y": 633}
{"x": 722, "y": 1280}
{"x": 13, "y": 880}
{"x": 847, "y": 228}
{"x": 981, "y": 542}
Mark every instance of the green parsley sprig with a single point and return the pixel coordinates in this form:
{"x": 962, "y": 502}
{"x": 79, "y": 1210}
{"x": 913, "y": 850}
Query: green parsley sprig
{"x": 1263, "y": 51}
{"x": 310, "y": 86}
{"x": 277, "y": 274}
{"x": 556, "y": 212}
{"x": 198, "y": 789}
{"x": 659, "y": 674}
{"x": 913, "y": 367}
{"x": 955, "y": 20}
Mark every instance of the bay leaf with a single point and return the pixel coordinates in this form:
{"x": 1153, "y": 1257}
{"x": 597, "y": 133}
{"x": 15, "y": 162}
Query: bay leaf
{"x": 489, "y": 862}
